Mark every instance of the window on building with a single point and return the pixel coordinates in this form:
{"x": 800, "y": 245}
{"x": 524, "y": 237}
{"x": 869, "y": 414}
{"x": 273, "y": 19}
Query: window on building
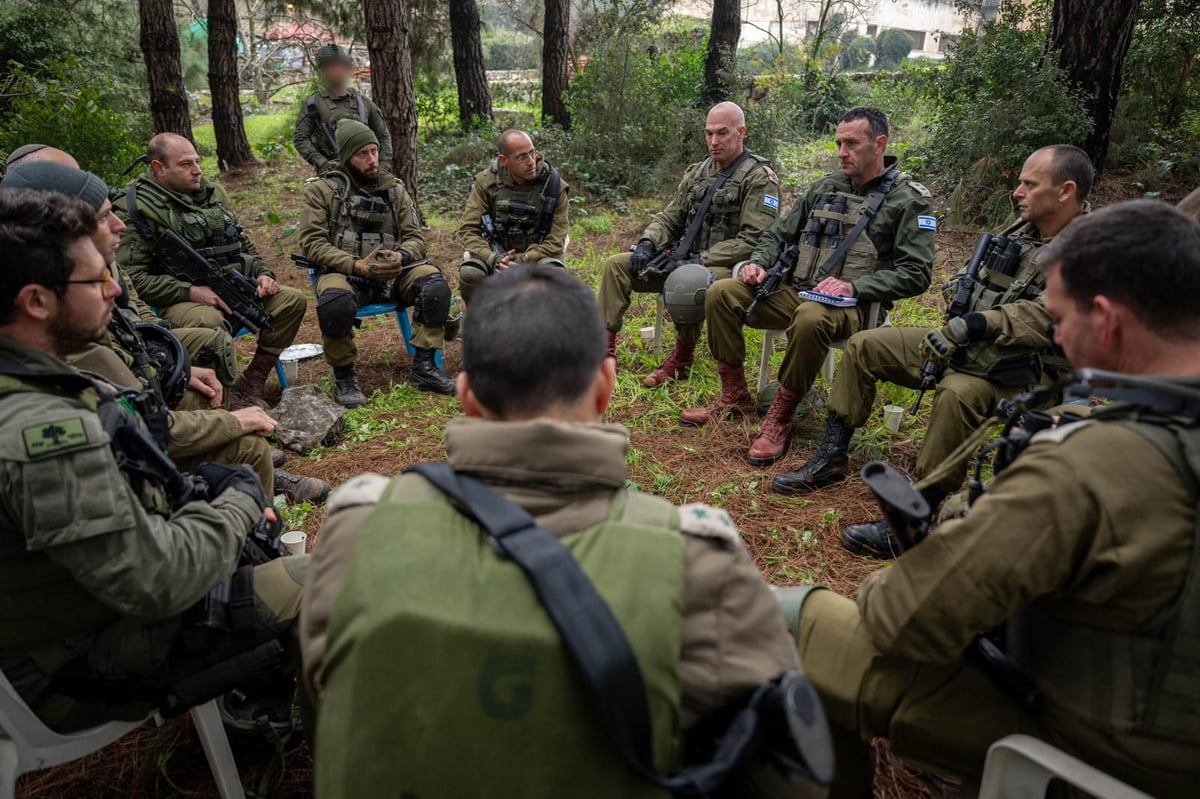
{"x": 872, "y": 31}
{"x": 947, "y": 42}
{"x": 918, "y": 38}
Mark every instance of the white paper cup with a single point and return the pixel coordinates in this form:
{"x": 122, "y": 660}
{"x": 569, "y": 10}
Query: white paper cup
{"x": 291, "y": 370}
{"x": 647, "y": 336}
{"x": 294, "y": 542}
{"x": 893, "y": 415}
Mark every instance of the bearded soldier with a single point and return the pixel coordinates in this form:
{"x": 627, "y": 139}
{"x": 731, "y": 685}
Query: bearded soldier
{"x": 336, "y": 100}
{"x": 360, "y": 231}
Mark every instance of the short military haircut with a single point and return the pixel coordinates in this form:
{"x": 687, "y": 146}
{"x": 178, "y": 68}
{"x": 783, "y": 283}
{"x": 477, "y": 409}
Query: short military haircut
{"x": 160, "y": 144}
{"x": 877, "y": 121}
{"x": 37, "y": 231}
{"x": 503, "y": 144}
{"x": 1071, "y": 163}
{"x": 1144, "y": 254}
{"x": 534, "y": 339}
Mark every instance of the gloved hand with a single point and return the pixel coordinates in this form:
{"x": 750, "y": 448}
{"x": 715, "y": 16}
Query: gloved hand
{"x": 641, "y": 256}
{"x": 939, "y": 345}
{"x": 220, "y": 479}
{"x": 379, "y": 265}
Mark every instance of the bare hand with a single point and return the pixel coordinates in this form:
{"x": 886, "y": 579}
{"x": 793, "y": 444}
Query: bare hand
{"x": 834, "y": 288}
{"x": 506, "y": 261}
{"x": 254, "y": 421}
{"x": 270, "y": 515}
{"x": 267, "y": 286}
{"x": 752, "y": 274}
{"x": 203, "y": 295}
{"x": 205, "y": 382}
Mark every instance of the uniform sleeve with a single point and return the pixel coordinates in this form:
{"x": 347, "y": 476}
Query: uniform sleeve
{"x": 555, "y": 243}
{"x": 912, "y": 256}
{"x": 378, "y": 124}
{"x": 135, "y": 256}
{"x": 1024, "y": 323}
{"x": 412, "y": 240}
{"x": 200, "y": 431}
{"x": 470, "y": 227}
{"x": 668, "y": 224}
{"x": 144, "y": 311}
{"x": 315, "y": 240}
{"x": 756, "y": 217}
{"x": 784, "y": 231}
{"x": 302, "y": 139}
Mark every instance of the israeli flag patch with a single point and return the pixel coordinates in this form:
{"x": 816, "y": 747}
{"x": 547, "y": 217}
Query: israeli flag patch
{"x": 771, "y": 201}
{"x": 927, "y": 223}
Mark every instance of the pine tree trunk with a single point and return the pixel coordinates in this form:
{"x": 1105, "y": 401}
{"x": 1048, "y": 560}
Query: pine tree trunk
{"x": 159, "y": 41}
{"x": 556, "y": 35}
{"x": 233, "y": 149}
{"x": 719, "y": 61}
{"x": 1090, "y": 39}
{"x": 474, "y": 97}
{"x": 392, "y": 83}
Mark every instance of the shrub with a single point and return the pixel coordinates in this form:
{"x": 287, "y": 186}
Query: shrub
{"x": 509, "y": 49}
{"x": 855, "y": 51}
{"x": 892, "y": 47}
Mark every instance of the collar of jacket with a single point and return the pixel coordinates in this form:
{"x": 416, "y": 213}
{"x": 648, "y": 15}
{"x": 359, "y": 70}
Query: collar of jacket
{"x": 199, "y": 197}
{"x": 38, "y": 361}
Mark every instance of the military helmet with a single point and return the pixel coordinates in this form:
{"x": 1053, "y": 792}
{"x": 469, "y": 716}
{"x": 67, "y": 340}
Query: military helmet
{"x": 684, "y": 293}
{"x": 332, "y": 52}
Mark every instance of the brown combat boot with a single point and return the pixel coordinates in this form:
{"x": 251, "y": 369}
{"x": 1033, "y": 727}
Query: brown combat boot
{"x": 676, "y": 366}
{"x": 776, "y": 431}
{"x": 248, "y": 388}
{"x": 734, "y": 399}
{"x": 610, "y": 350}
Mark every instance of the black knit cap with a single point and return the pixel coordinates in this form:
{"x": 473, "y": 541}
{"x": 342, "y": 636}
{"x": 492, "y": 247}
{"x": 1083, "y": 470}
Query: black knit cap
{"x": 48, "y": 176}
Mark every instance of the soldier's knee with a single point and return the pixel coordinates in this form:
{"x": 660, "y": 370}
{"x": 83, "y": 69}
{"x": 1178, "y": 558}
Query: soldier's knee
{"x": 205, "y": 316}
{"x": 719, "y": 296}
{"x": 553, "y": 262}
{"x": 470, "y": 277}
{"x": 336, "y": 312}
{"x": 431, "y": 300}
{"x": 290, "y": 302}
{"x": 616, "y": 271}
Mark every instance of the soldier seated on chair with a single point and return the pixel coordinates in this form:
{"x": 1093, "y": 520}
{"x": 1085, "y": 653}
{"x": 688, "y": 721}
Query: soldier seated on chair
{"x": 525, "y": 201}
{"x": 359, "y": 229}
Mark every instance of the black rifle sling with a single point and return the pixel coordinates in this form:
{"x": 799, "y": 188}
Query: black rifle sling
{"x": 592, "y": 634}
{"x": 550, "y": 195}
{"x": 135, "y": 215}
{"x": 693, "y": 230}
{"x": 836, "y": 257}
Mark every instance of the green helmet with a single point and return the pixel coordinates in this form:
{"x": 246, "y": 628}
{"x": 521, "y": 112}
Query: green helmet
{"x": 332, "y": 52}
{"x": 684, "y": 293}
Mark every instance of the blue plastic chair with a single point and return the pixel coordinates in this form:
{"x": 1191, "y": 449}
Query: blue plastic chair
{"x": 283, "y": 381}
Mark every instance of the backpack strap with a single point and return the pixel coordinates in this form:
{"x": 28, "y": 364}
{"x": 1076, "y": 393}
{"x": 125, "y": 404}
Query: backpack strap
{"x": 140, "y": 223}
{"x": 550, "y": 195}
{"x": 889, "y": 180}
{"x": 362, "y": 111}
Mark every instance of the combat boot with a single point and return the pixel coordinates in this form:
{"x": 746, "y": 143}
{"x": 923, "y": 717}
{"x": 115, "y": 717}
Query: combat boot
{"x": 876, "y": 539}
{"x": 248, "y": 388}
{"x": 734, "y": 399}
{"x": 346, "y": 385}
{"x": 776, "y": 434}
{"x": 277, "y": 457}
{"x": 825, "y": 468}
{"x": 426, "y": 376}
{"x": 675, "y": 367}
{"x": 300, "y": 489}
{"x": 610, "y": 349}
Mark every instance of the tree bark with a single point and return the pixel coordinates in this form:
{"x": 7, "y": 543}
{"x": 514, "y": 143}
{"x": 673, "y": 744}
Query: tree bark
{"x": 1090, "y": 39}
{"x": 719, "y": 61}
{"x": 159, "y": 41}
{"x": 233, "y": 149}
{"x": 392, "y": 83}
{"x": 474, "y": 97}
{"x": 555, "y": 75}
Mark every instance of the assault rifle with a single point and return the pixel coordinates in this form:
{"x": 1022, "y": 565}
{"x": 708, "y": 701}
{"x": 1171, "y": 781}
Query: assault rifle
{"x": 776, "y": 275}
{"x": 489, "y": 233}
{"x": 663, "y": 264}
{"x": 181, "y": 261}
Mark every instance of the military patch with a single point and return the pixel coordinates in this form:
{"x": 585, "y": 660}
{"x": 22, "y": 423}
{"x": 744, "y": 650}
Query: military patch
{"x": 771, "y": 202}
{"x": 708, "y": 522}
{"x": 1059, "y": 434}
{"x": 927, "y": 223}
{"x": 920, "y": 188}
{"x": 366, "y": 489}
{"x": 46, "y": 439}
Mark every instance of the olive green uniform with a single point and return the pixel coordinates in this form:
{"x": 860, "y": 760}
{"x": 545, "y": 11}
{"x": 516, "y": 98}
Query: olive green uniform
{"x": 1084, "y": 545}
{"x": 94, "y": 573}
{"x": 567, "y": 476}
{"x": 204, "y": 220}
{"x": 741, "y": 210}
{"x": 517, "y": 212}
{"x": 973, "y": 383}
{"x": 334, "y": 236}
{"x": 318, "y": 120}
{"x": 892, "y": 259}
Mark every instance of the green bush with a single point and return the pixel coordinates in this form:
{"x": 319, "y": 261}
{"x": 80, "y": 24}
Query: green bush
{"x": 892, "y": 47}
{"x": 855, "y": 51}
{"x": 509, "y": 49}
{"x": 798, "y": 103}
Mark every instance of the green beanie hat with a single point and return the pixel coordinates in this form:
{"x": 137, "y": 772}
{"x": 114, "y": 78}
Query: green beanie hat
{"x": 351, "y": 137}
{"x": 48, "y": 176}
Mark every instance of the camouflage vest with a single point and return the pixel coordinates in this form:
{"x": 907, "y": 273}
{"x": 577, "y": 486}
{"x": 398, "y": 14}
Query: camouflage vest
{"x": 359, "y": 222}
{"x": 1142, "y": 682}
{"x": 206, "y": 225}
{"x": 724, "y": 218}
{"x": 326, "y": 113}
{"x": 518, "y": 211}
{"x": 829, "y": 222}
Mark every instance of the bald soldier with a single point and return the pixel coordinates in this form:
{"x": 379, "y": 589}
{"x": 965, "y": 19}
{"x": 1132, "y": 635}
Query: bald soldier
{"x": 516, "y": 213}
{"x": 172, "y": 194}
{"x": 739, "y": 196}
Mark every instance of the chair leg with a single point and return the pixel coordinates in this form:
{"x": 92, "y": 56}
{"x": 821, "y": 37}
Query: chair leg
{"x": 658, "y": 326}
{"x": 283, "y": 381}
{"x": 8, "y": 769}
{"x": 830, "y": 366}
{"x": 405, "y": 330}
{"x": 764, "y": 365}
{"x": 216, "y": 749}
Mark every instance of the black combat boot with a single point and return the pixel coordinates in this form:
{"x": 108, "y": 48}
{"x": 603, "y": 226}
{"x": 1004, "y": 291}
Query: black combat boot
{"x": 349, "y": 392}
{"x": 426, "y": 376}
{"x": 825, "y": 468}
{"x": 876, "y": 540}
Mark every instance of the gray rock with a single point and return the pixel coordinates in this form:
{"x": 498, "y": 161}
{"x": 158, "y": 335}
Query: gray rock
{"x": 308, "y": 418}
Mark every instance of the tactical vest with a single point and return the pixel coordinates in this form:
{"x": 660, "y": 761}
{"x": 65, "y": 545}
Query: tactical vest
{"x": 208, "y": 226}
{"x": 829, "y": 222}
{"x": 1142, "y": 682}
{"x": 724, "y": 218}
{"x": 518, "y": 212}
{"x": 360, "y": 222}
{"x": 326, "y": 113}
{"x": 441, "y": 648}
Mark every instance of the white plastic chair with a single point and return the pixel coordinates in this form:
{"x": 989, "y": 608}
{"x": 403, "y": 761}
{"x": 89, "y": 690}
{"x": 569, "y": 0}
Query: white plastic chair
{"x": 1021, "y": 767}
{"x": 830, "y": 365}
{"x": 26, "y": 744}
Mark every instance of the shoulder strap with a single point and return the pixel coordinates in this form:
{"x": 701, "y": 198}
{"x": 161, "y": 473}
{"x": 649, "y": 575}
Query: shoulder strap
{"x": 550, "y": 197}
{"x": 693, "y": 230}
{"x": 593, "y": 636}
{"x": 135, "y": 215}
{"x": 889, "y": 180}
{"x": 362, "y": 111}
{"x": 315, "y": 113}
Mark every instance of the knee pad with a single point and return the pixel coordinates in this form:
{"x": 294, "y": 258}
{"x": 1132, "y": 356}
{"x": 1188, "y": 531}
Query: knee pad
{"x": 336, "y": 311}
{"x": 431, "y": 301}
{"x": 218, "y": 350}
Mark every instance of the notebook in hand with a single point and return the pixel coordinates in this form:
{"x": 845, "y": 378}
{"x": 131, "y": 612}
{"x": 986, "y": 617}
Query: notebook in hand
{"x": 829, "y": 299}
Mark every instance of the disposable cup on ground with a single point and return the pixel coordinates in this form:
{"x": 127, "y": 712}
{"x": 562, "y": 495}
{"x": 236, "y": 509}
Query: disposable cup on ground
{"x": 893, "y": 415}
{"x": 294, "y": 542}
{"x": 647, "y": 336}
{"x": 291, "y": 370}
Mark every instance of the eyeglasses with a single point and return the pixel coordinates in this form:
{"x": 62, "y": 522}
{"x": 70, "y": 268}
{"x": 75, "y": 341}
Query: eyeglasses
{"x": 109, "y": 287}
{"x": 526, "y": 158}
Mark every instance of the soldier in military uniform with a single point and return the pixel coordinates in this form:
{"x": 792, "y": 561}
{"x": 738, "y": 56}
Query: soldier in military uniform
{"x": 526, "y": 201}
{"x": 866, "y": 232}
{"x": 172, "y": 194}
{"x": 316, "y": 126}
{"x": 702, "y": 620}
{"x": 359, "y": 229}
{"x": 983, "y": 364}
{"x": 1085, "y": 547}
{"x": 745, "y": 205}
{"x": 99, "y": 571}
